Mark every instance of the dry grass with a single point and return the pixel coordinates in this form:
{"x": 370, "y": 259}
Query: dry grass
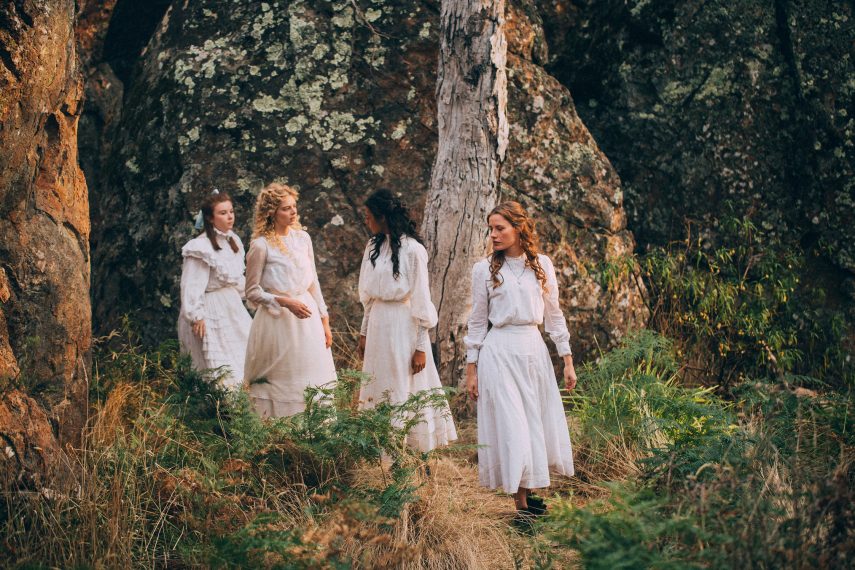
{"x": 455, "y": 523}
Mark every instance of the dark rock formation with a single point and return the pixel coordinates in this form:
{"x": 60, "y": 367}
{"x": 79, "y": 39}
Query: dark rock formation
{"x": 704, "y": 102}
{"x": 338, "y": 99}
{"x": 45, "y": 324}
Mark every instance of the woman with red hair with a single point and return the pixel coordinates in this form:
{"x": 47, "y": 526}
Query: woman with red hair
{"x": 522, "y": 429}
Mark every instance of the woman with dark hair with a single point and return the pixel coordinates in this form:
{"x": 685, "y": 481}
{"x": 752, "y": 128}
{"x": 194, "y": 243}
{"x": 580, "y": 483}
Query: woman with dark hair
{"x": 394, "y": 291}
{"x": 213, "y": 325}
{"x": 289, "y": 344}
{"x": 522, "y": 429}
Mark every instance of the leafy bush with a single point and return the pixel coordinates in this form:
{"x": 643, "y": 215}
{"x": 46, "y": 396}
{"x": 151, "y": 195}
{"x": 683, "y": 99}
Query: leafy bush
{"x": 177, "y": 471}
{"x": 738, "y": 310}
{"x": 766, "y": 482}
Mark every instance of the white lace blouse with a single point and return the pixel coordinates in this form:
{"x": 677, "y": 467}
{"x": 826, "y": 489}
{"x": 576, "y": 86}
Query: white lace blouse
{"x": 519, "y": 300}
{"x": 270, "y": 272}
{"x": 206, "y": 269}
{"x": 377, "y": 283}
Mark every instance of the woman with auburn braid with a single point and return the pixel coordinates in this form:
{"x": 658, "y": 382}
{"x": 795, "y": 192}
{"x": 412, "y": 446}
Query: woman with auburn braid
{"x": 522, "y": 429}
{"x": 290, "y": 339}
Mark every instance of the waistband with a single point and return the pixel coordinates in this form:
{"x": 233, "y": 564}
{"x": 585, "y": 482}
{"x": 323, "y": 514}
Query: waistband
{"x": 396, "y": 302}
{"x": 513, "y": 328}
{"x": 287, "y": 293}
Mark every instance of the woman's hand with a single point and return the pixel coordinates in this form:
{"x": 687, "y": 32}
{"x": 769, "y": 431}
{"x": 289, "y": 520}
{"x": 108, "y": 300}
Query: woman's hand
{"x": 300, "y": 310}
{"x": 199, "y": 328}
{"x": 418, "y": 361}
{"x": 569, "y": 373}
{"x": 327, "y": 331}
{"x": 360, "y": 348}
{"x": 472, "y": 380}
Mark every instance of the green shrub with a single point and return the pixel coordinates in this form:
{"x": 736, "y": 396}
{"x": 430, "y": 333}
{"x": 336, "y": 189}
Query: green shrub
{"x": 738, "y": 310}
{"x": 176, "y": 471}
{"x": 765, "y": 482}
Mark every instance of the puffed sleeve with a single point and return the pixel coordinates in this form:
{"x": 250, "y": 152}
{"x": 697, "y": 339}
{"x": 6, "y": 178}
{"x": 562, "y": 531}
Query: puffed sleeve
{"x": 421, "y": 307}
{"x": 479, "y": 317}
{"x": 364, "y": 298}
{"x": 194, "y": 281}
{"x": 553, "y": 319}
{"x": 315, "y": 287}
{"x": 255, "y": 260}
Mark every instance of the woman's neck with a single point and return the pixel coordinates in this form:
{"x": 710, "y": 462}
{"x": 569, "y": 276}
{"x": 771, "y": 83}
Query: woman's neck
{"x": 282, "y": 231}
{"x": 515, "y": 250}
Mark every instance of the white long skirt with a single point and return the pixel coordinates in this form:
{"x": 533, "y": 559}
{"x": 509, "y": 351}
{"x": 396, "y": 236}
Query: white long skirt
{"x": 390, "y": 343}
{"x": 522, "y": 429}
{"x": 227, "y": 326}
{"x": 291, "y": 355}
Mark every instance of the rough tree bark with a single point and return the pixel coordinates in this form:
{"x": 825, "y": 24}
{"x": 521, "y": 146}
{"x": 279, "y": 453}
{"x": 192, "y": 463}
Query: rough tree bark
{"x": 473, "y": 137}
{"x": 45, "y": 323}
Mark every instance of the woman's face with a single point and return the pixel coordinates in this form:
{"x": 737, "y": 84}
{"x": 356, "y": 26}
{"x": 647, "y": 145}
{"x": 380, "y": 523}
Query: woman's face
{"x": 285, "y": 214}
{"x": 224, "y": 216}
{"x": 375, "y": 226}
{"x": 502, "y": 233}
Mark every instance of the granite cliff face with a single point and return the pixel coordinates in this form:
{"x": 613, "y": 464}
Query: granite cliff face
{"x": 45, "y": 324}
{"x": 703, "y": 103}
{"x": 337, "y": 99}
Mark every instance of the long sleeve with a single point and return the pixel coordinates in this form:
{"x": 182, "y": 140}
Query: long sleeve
{"x": 553, "y": 319}
{"x": 315, "y": 287}
{"x": 194, "y": 281}
{"x": 364, "y": 297}
{"x": 421, "y": 305}
{"x": 479, "y": 317}
{"x": 255, "y": 260}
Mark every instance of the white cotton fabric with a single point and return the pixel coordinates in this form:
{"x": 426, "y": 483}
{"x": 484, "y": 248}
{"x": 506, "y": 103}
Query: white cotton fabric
{"x": 398, "y": 315}
{"x": 212, "y": 288}
{"x": 288, "y": 352}
{"x": 522, "y": 429}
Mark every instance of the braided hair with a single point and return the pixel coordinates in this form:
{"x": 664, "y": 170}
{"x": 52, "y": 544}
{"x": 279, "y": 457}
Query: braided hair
{"x": 383, "y": 205}
{"x": 208, "y": 206}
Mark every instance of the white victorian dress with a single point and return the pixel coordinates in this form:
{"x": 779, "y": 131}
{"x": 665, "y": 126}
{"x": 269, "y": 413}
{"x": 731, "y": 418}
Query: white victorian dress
{"x": 398, "y": 313}
{"x": 285, "y": 354}
{"x": 522, "y": 428}
{"x": 212, "y": 288}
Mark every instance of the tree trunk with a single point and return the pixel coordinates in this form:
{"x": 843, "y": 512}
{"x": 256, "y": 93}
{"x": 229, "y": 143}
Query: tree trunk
{"x": 473, "y": 137}
{"x": 45, "y": 323}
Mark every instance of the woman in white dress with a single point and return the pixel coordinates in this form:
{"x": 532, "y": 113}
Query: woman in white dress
{"x": 395, "y": 294}
{"x": 289, "y": 344}
{"x": 522, "y": 429}
{"x": 213, "y": 325}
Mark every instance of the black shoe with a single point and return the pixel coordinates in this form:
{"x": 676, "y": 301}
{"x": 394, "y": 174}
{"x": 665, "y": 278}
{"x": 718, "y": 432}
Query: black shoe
{"x": 524, "y": 521}
{"x": 536, "y": 505}
{"x": 535, "y": 509}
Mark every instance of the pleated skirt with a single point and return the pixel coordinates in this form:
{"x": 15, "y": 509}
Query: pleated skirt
{"x": 522, "y": 428}
{"x": 227, "y": 325}
{"x": 290, "y": 355}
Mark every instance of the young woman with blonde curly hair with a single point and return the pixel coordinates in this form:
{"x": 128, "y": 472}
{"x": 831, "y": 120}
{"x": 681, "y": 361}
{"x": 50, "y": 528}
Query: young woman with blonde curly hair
{"x": 289, "y": 343}
{"x": 522, "y": 429}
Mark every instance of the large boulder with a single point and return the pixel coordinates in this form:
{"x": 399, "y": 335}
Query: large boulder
{"x": 700, "y": 104}
{"x": 338, "y": 99}
{"x": 45, "y": 323}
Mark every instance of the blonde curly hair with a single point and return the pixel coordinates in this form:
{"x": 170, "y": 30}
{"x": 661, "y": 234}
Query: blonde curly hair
{"x": 268, "y": 201}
